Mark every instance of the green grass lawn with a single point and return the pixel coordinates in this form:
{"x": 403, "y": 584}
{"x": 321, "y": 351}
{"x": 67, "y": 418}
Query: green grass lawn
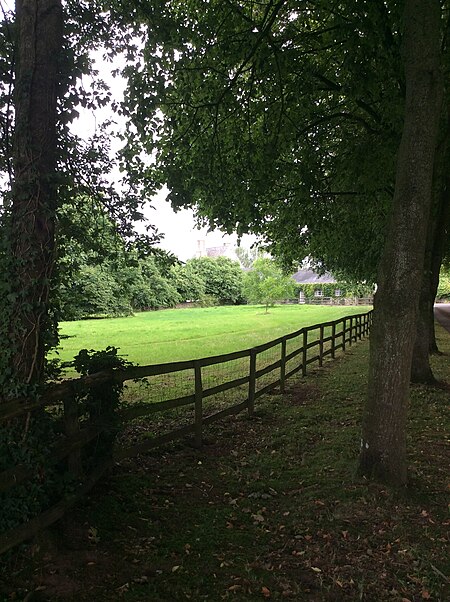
{"x": 183, "y": 334}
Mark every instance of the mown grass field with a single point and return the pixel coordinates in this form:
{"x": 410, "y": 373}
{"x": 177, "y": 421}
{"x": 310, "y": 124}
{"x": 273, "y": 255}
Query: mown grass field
{"x": 183, "y": 334}
{"x": 269, "y": 508}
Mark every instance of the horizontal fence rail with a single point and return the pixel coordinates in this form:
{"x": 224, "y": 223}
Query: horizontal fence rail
{"x": 247, "y": 374}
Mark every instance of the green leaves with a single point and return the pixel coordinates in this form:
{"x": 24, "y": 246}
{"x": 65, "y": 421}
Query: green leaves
{"x": 265, "y": 283}
{"x": 221, "y": 276}
{"x": 90, "y": 362}
{"x": 281, "y": 119}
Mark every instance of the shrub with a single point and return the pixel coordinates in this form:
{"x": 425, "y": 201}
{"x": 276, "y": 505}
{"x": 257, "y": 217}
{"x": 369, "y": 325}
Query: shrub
{"x": 443, "y": 292}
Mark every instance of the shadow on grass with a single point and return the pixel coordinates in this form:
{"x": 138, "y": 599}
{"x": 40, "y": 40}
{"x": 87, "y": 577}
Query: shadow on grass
{"x": 268, "y": 508}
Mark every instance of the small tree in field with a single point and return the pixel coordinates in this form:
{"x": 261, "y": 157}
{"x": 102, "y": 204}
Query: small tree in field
{"x": 266, "y": 283}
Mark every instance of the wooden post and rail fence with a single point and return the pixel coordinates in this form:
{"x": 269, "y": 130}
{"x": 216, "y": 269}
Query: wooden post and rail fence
{"x": 77, "y": 434}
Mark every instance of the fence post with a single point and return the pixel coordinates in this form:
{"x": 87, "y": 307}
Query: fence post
{"x": 360, "y": 326}
{"x": 351, "y": 331}
{"x": 321, "y": 331}
{"x": 252, "y": 383}
{"x": 333, "y": 340}
{"x": 72, "y": 429}
{"x": 305, "y": 351}
{"x": 283, "y": 366}
{"x": 344, "y": 333}
{"x": 198, "y": 405}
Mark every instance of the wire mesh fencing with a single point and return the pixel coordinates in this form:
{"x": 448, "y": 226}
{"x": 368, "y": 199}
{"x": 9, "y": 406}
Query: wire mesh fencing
{"x": 168, "y": 402}
{"x": 200, "y": 391}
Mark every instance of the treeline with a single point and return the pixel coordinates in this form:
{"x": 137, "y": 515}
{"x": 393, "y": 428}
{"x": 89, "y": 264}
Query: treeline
{"x": 101, "y": 273}
{"x": 122, "y": 285}
{"x": 119, "y": 284}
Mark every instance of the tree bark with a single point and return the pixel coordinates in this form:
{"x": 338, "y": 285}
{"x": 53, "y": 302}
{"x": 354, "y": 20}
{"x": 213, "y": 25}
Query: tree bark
{"x": 383, "y": 444}
{"x": 39, "y": 44}
{"x": 421, "y": 371}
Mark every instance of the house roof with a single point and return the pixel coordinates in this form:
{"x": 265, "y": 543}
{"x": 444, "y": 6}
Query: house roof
{"x": 310, "y": 277}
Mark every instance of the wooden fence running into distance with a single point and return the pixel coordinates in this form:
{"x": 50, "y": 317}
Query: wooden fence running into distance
{"x": 262, "y": 369}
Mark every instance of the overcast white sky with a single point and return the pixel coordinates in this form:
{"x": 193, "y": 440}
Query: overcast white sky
{"x": 180, "y": 233}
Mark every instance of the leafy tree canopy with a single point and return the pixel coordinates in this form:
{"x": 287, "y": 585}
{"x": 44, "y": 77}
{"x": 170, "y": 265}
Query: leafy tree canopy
{"x": 280, "y": 118}
{"x": 100, "y": 274}
{"x": 221, "y": 276}
{"x": 48, "y": 167}
{"x": 189, "y": 283}
{"x": 265, "y": 283}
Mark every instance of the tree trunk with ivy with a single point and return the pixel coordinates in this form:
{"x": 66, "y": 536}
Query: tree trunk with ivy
{"x": 34, "y": 193}
{"x": 30, "y": 229}
{"x": 383, "y": 444}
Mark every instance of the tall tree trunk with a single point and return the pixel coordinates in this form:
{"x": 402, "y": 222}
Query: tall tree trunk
{"x": 421, "y": 371}
{"x": 39, "y": 44}
{"x": 383, "y": 444}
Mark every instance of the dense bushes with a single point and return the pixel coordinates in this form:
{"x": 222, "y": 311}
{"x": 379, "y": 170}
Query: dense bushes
{"x": 221, "y": 279}
{"x": 190, "y": 286}
{"x": 111, "y": 290}
{"x": 92, "y": 291}
{"x": 119, "y": 287}
{"x": 112, "y": 286}
{"x": 28, "y": 442}
{"x": 443, "y": 292}
{"x": 147, "y": 287}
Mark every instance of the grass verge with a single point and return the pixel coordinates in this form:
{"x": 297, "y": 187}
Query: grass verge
{"x": 269, "y": 508}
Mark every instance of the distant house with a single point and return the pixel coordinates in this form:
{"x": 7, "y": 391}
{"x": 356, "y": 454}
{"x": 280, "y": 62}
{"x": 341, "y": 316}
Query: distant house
{"x": 324, "y": 288}
{"x": 308, "y": 277}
